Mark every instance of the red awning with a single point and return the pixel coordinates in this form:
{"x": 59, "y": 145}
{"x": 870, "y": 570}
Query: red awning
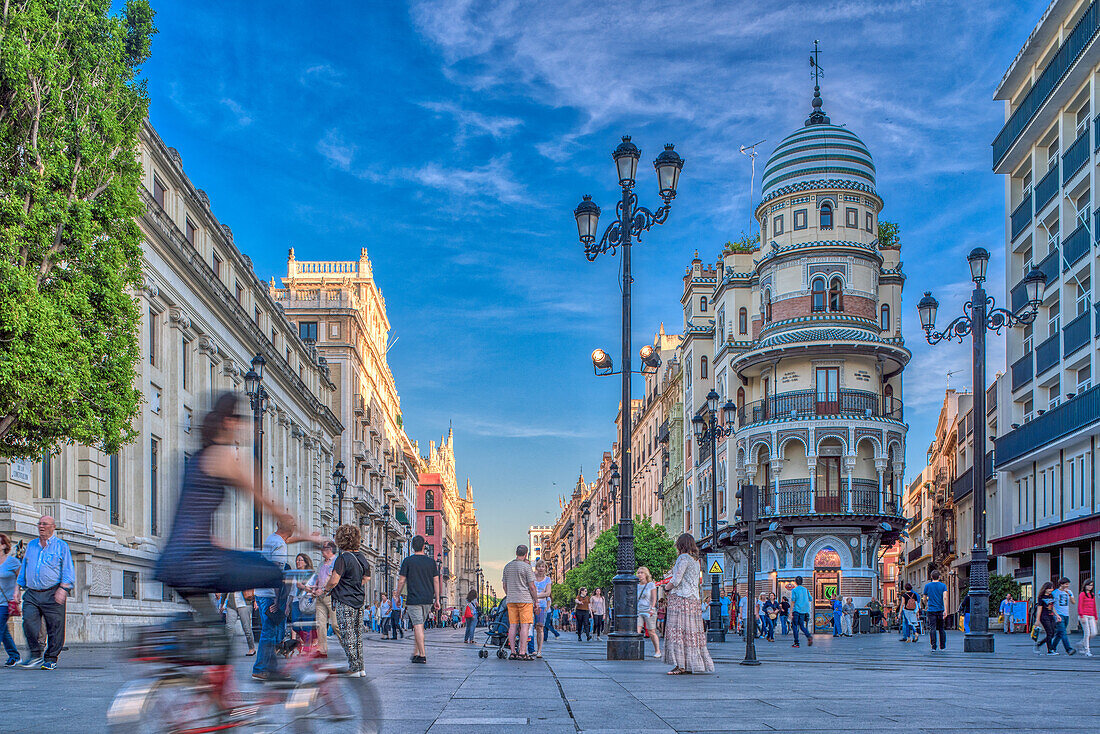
{"x": 1065, "y": 532}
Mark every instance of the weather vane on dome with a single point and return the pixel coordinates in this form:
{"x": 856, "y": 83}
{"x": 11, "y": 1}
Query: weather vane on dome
{"x": 817, "y": 117}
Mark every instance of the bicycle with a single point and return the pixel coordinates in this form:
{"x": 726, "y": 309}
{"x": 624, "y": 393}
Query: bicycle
{"x": 192, "y": 691}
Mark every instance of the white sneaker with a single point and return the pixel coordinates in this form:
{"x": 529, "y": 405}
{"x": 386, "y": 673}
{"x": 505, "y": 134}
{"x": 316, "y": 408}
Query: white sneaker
{"x": 658, "y": 655}
{"x": 1088, "y": 654}
{"x": 1052, "y": 652}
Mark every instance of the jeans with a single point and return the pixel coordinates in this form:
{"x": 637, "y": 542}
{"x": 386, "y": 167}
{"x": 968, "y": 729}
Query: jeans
{"x": 935, "y": 624}
{"x": 13, "y": 651}
{"x": 39, "y": 606}
{"x": 769, "y": 627}
{"x": 1060, "y": 634}
{"x": 838, "y": 628}
{"x": 597, "y": 624}
{"x": 271, "y": 634}
{"x": 785, "y": 623}
{"x": 548, "y": 628}
{"x": 395, "y": 623}
{"x": 469, "y": 636}
{"x": 582, "y": 624}
{"x": 800, "y": 623}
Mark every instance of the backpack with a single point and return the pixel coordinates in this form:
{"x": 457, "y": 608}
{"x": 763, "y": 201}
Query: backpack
{"x": 910, "y": 601}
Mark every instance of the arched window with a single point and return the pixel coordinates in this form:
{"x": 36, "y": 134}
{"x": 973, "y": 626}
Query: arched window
{"x": 767, "y": 306}
{"x": 826, "y": 216}
{"x": 743, "y": 321}
{"x": 429, "y": 500}
{"x": 703, "y": 304}
{"x": 836, "y": 295}
{"x": 703, "y": 368}
{"x": 817, "y": 295}
{"x": 884, "y": 317}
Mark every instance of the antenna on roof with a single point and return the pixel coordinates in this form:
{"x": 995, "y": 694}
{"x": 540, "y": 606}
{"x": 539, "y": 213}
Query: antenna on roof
{"x": 750, "y": 151}
{"x": 949, "y": 373}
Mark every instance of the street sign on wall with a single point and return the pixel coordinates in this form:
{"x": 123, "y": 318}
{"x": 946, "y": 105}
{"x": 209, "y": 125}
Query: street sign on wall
{"x": 716, "y": 563}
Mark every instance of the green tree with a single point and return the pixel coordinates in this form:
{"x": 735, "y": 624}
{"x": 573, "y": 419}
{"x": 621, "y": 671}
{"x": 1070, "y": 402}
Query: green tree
{"x": 561, "y": 595}
{"x": 71, "y": 107}
{"x": 744, "y": 243}
{"x": 1000, "y": 586}
{"x": 652, "y": 549}
{"x": 888, "y": 233}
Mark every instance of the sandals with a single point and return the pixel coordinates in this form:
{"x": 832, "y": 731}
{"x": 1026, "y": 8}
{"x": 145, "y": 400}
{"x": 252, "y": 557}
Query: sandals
{"x": 677, "y": 671}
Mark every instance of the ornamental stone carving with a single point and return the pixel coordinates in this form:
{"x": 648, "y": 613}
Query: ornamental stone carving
{"x": 177, "y": 319}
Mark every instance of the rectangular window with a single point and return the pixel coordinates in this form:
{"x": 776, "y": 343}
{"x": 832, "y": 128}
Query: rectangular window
{"x": 47, "y": 476}
{"x": 159, "y": 191}
{"x": 129, "y": 585}
{"x": 307, "y": 330}
{"x": 190, "y": 231}
{"x": 187, "y": 420}
{"x": 154, "y": 456}
{"x": 114, "y": 479}
{"x": 429, "y": 525}
{"x": 256, "y": 314}
{"x": 185, "y": 363}
{"x": 870, "y": 222}
{"x": 828, "y": 390}
{"x": 152, "y": 337}
{"x": 238, "y": 292}
{"x": 777, "y": 225}
{"x": 851, "y": 218}
{"x": 216, "y": 264}
{"x": 154, "y": 399}
{"x": 801, "y": 219}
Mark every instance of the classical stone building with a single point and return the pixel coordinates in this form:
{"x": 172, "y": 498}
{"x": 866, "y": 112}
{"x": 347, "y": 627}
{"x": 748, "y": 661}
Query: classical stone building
{"x": 807, "y": 344}
{"x": 457, "y": 539}
{"x": 538, "y": 541}
{"x": 205, "y": 314}
{"x": 672, "y": 439}
{"x": 338, "y": 309}
{"x": 648, "y": 424}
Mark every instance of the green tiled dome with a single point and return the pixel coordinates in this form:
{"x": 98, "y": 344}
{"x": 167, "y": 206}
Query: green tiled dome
{"x": 820, "y": 150}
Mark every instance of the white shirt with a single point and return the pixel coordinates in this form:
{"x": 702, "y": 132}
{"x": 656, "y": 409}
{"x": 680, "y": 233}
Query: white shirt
{"x": 685, "y": 577}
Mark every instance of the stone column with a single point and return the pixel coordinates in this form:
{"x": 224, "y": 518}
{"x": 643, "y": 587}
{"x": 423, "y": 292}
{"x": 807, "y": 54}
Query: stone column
{"x": 1041, "y": 569}
{"x": 850, "y": 468}
{"x": 880, "y": 467}
{"x": 811, "y": 470}
{"x": 1071, "y": 569}
{"x": 777, "y": 469}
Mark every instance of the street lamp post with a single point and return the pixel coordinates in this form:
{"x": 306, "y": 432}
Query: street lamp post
{"x": 747, "y": 496}
{"x": 257, "y": 399}
{"x": 386, "y": 549}
{"x": 584, "y": 519}
{"x": 339, "y": 486}
{"x": 624, "y": 642}
{"x": 709, "y": 429}
{"x": 979, "y": 315}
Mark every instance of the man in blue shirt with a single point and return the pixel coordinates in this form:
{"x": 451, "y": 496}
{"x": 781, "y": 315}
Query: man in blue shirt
{"x": 935, "y": 610}
{"x": 1062, "y": 599}
{"x": 47, "y": 578}
{"x": 272, "y": 605}
{"x": 801, "y": 608}
{"x": 837, "y": 610}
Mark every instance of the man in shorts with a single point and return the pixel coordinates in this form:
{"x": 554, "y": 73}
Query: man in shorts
{"x": 519, "y": 587}
{"x": 422, "y": 576}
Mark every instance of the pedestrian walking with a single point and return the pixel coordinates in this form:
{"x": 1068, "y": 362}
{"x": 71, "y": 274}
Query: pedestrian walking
{"x": 47, "y": 577}
{"x": 1063, "y": 597}
{"x": 785, "y": 615}
{"x": 580, "y": 613}
{"x": 685, "y": 638}
{"x": 272, "y": 602}
{"x": 542, "y": 605}
{"x": 347, "y": 585}
{"x": 1044, "y": 619}
{"x": 9, "y": 597}
{"x": 420, "y": 575}
{"x": 837, "y": 606}
{"x": 519, "y": 587}
{"x": 908, "y": 601}
{"x": 237, "y": 607}
{"x": 935, "y": 612}
{"x": 597, "y": 608}
{"x": 771, "y": 613}
{"x": 662, "y": 610}
{"x": 1086, "y": 612}
{"x": 397, "y": 609}
{"x": 802, "y": 607}
{"x": 647, "y": 608}
{"x": 324, "y": 614}
{"x": 469, "y": 616}
{"x": 847, "y": 612}
{"x": 1006, "y": 612}
{"x": 552, "y": 620}
{"x": 303, "y": 605}
{"x": 384, "y": 616}
{"x": 724, "y": 602}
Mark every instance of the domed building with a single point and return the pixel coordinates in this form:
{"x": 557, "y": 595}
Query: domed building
{"x": 807, "y": 344}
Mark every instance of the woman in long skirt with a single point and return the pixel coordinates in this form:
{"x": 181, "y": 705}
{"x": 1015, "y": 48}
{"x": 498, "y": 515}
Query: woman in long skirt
{"x": 685, "y": 639}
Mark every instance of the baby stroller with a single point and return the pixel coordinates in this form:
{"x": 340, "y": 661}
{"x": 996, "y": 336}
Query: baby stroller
{"x": 497, "y": 633}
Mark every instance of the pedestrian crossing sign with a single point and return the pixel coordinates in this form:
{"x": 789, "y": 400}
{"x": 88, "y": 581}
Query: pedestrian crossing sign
{"x": 716, "y": 563}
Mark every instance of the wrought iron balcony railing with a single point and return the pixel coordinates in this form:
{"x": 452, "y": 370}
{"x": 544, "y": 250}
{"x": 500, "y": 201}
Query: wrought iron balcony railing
{"x": 806, "y": 403}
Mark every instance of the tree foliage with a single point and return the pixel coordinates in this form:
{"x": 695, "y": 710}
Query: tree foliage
{"x": 652, "y": 549}
{"x": 1000, "y": 586}
{"x": 561, "y": 595}
{"x": 71, "y": 108}
{"x": 889, "y": 234}
{"x": 744, "y": 243}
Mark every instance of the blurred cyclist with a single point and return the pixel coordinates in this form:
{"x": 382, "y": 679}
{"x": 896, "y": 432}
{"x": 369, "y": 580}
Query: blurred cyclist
{"x": 192, "y": 562}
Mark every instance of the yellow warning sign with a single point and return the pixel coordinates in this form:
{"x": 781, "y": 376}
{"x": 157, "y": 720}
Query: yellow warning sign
{"x": 715, "y": 567}
{"x": 716, "y": 563}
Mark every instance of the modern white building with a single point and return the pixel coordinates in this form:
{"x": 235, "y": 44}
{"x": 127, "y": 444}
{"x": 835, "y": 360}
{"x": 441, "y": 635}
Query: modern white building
{"x": 1049, "y": 423}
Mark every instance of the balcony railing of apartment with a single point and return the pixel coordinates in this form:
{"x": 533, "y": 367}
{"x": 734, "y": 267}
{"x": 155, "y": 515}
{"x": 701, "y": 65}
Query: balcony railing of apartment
{"x": 1076, "y": 155}
{"x": 1096, "y": 132}
{"x": 804, "y": 403}
{"x": 1071, "y": 416}
{"x": 964, "y": 483}
{"x": 916, "y": 553}
{"x": 1050, "y": 265}
{"x": 1017, "y": 297}
{"x": 1076, "y": 246}
{"x": 1023, "y": 370}
{"x": 794, "y": 498}
{"x": 1021, "y": 216}
{"x": 1047, "y": 82}
{"x": 1077, "y": 333}
{"x": 991, "y": 399}
{"x": 1047, "y": 354}
{"x": 1047, "y": 188}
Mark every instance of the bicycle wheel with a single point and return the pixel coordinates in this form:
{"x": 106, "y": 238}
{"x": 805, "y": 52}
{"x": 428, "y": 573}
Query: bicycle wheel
{"x": 162, "y": 706}
{"x": 335, "y": 705}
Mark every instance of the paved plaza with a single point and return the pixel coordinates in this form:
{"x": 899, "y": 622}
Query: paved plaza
{"x": 868, "y": 683}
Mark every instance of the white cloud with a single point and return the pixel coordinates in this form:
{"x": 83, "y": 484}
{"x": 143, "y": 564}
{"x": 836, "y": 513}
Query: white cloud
{"x": 336, "y": 150}
{"x": 242, "y": 116}
{"x": 508, "y": 429}
{"x": 471, "y": 123}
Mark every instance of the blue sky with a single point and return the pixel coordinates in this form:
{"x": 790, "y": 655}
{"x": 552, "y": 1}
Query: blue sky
{"x": 452, "y": 138}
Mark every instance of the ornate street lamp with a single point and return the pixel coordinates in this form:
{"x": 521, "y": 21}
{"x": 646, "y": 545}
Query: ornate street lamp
{"x": 614, "y": 489}
{"x": 747, "y": 495}
{"x": 709, "y": 429}
{"x": 624, "y": 642}
{"x": 339, "y": 486}
{"x": 979, "y": 315}
{"x": 584, "y": 518}
{"x": 257, "y": 400}
{"x": 386, "y": 548}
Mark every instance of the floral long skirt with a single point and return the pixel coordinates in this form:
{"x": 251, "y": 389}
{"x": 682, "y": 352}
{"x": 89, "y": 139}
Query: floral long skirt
{"x": 685, "y": 638}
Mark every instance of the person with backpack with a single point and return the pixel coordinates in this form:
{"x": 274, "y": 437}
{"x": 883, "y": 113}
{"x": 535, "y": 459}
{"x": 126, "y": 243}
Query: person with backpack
{"x": 909, "y": 602}
{"x": 469, "y": 616}
{"x": 347, "y": 587}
